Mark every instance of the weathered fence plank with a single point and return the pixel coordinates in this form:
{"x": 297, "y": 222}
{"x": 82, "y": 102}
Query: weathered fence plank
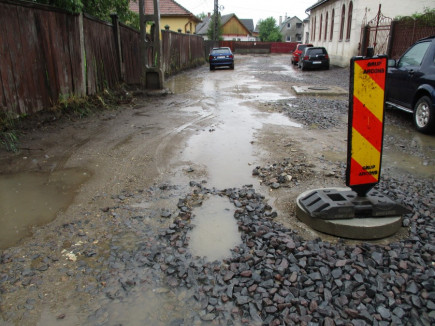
{"x": 38, "y": 61}
{"x": 181, "y": 51}
{"x": 47, "y": 54}
{"x": 130, "y": 50}
{"x": 101, "y": 60}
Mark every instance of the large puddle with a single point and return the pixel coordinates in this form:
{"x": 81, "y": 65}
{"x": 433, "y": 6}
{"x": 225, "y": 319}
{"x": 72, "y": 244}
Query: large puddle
{"x": 215, "y": 232}
{"x": 158, "y": 306}
{"x": 226, "y": 149}
{"x": 32, "y": 199}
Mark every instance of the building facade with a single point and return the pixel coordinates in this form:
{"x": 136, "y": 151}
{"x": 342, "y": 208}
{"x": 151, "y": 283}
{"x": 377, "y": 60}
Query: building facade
{"x": 337, "y": 24}
{"x": 173, "y": 15}
{"x": 291, "y": 29}
{"x": 233, "y": 28}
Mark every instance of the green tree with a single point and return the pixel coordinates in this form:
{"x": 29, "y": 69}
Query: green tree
{"x": 201, "y": 15}
{"x": 211, "y": 28}
{"x": 98, "y": 8}
{"x": 269, "y": 31}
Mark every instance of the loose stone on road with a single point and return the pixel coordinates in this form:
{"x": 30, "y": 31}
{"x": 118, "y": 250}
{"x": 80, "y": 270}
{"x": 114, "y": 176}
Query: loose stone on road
{"x": 186, "y": 212}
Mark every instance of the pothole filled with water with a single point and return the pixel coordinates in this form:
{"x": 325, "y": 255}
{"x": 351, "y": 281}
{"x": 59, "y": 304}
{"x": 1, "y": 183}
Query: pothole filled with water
{"x": 32, "y": 199}
{"x": 215, "y": 232}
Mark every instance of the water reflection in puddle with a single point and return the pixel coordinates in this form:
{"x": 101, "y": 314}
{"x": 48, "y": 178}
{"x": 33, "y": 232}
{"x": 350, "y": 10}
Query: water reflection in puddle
{"x": 31, "y": 199}
{"x": 215, "y": 232}
{"x": 226, "y": 149}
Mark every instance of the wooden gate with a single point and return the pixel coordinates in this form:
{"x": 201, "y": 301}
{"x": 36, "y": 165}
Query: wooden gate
{"x": 375, "y": 34}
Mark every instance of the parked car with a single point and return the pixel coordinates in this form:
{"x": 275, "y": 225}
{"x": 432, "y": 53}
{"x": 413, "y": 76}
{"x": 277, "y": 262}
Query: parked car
{"x": 314, "y": 57}
{"x": 295, "y": 55}
{"x": 221, "y": 57}
{"x": 410, "y": 84}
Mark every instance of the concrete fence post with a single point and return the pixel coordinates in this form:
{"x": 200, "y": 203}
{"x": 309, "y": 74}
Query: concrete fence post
{"x": 82, "y": 89}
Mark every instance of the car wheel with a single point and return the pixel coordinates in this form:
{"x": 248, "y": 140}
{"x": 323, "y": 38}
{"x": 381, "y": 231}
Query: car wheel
{"x": 303, "y": 67}
{"x": 424, "y": 115}
{"x": 211, "y": 67}
{"x": 232, "y": 67}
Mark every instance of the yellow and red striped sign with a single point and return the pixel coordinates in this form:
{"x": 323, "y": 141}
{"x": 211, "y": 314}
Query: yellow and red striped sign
{"x": 366, "y": 121}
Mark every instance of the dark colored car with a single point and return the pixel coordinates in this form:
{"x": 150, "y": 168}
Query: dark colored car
{"x": 221, "y": 57}
{"x": 411, "y": 84}
{"x": 314, "y": 57}
{"x": 296, "y": 54}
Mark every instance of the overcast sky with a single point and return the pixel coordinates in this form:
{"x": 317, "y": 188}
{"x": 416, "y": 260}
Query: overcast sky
{"x": 255, "y": 9}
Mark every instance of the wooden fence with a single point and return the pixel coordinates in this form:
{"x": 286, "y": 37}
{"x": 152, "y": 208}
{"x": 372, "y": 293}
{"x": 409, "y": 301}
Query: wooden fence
{"x": 407, "y": 31}
{"x": 47, "y": 54}
{"x": 244, "y": 47}
{"x": 39, "y": 57}
{"x": 181, "y": 51}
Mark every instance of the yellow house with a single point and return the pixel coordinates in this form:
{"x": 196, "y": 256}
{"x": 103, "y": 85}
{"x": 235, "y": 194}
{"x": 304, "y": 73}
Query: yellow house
{"x": 172, "y": 14}
{"x": 233, "y": 28}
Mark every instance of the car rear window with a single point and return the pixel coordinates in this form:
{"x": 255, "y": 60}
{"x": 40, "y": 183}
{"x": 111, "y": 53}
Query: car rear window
{"x": 221, "y": 51}
{"x": 316, "y": 51}
{"x": 303, "y": 46}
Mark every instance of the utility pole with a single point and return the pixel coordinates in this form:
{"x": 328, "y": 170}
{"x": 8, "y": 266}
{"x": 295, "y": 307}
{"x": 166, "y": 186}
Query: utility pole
{"x": 143, "y": 53}
{"x": 216, "y": 21}
{"x": 151, "y": 64}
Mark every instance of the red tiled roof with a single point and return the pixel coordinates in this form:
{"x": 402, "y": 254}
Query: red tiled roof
{"x": 167, "y": 8}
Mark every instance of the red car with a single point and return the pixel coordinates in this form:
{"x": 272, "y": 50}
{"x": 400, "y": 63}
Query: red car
{"x": 296, "y": 54}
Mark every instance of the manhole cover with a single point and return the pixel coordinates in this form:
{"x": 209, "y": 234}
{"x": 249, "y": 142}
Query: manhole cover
{"x": 318, "y": 88}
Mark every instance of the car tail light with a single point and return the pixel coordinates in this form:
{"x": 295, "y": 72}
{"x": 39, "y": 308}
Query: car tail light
{"x": 210, "y": 58}
{"x": 306, "y": 57}
{"x": 230, "y": 56}
{"x": 326, "y": 56}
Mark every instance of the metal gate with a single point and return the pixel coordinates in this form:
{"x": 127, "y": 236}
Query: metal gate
{"x": 375, "y": 34}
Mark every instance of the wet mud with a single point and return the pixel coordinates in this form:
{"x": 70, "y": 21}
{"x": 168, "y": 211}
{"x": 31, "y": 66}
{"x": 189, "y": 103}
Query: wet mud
{"x": 167, "y": 209}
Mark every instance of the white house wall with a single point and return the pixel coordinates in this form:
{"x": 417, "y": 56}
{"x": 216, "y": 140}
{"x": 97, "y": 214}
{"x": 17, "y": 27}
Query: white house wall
{"x": 341, "y": 52}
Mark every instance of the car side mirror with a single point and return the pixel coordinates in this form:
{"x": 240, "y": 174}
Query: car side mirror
{"x": 391, "y": 63}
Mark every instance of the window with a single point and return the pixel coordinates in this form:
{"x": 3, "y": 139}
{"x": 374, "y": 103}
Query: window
{"x": 326, "y": 26}
{"x": 349, "y": 21}
{"x": 415, "y": 55}
{"x": 288, "y": 38}
{"x": 332, "y": 25}
{"x": 320, "y": 27}
{"x": 288, "y": 25}
{"x": 343, "y": 14}
{"x": 298, "y": 25}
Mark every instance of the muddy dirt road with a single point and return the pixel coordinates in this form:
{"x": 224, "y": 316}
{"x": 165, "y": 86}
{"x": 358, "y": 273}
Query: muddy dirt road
{"x": 104, "y": 219}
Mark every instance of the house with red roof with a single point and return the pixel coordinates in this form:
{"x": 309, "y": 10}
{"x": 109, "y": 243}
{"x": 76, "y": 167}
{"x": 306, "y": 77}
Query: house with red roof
{"x": 172, "y": 14}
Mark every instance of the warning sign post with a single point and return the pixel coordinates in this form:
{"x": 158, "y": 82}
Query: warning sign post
{"x": 366, "y": 123}
{"x": 375, "y": 216}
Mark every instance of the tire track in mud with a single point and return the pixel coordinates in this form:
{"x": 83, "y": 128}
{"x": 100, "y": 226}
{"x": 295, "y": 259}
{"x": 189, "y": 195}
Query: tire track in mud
{"x": 169, "y": 136}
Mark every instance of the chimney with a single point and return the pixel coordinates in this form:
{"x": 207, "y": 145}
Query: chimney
{"x": 208, "y": 15}
{"x": 280, "y": 20}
